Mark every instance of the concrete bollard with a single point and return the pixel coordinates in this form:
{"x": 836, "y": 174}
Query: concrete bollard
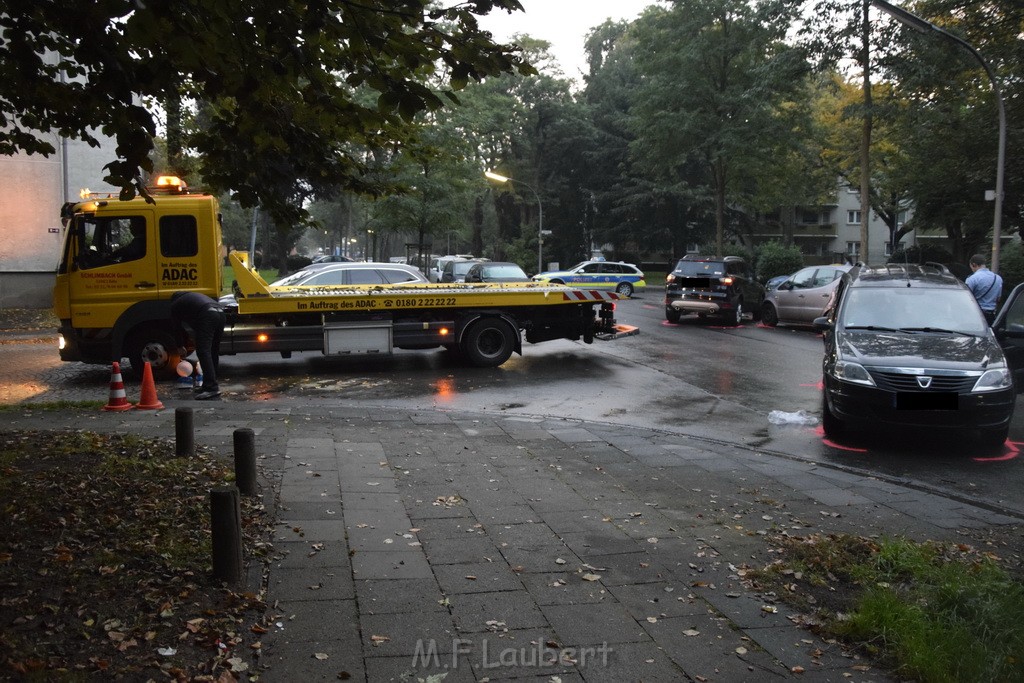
{"x": 245, "y": 461}
{"x": 226, "y": 525}
{"x": 184, "y": 433}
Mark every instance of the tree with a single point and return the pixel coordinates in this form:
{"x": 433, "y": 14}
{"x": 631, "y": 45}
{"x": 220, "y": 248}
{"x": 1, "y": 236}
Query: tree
{"x": 714, "y": 73}
{"x": 838, "y": 107}
{"x": 277, "y": 79}
{"x": 949, "y": 121}
{"x": 630, "y": 208}
{"x": 515, "y": 122}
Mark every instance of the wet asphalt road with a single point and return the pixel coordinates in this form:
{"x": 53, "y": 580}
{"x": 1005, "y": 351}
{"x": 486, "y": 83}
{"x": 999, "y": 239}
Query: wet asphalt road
{"x": 697, "y": 378}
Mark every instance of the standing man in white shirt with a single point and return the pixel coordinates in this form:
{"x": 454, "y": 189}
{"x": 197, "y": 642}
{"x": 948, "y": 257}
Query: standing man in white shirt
{"x": 986, "y": 286}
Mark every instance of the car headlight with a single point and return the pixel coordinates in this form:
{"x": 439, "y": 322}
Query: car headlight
{"x": 852, "y": 372}
{"x": 994, "y": 380}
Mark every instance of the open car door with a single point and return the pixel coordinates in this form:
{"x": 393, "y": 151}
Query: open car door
{"x": 1009, "y": 329}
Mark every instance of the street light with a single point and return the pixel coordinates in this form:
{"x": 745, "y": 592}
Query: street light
{"x": 540, "y": 213}
{"x": 924, "y": 26}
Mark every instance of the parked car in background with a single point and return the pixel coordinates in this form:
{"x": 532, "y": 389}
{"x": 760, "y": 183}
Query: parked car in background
{"x": 623, "y": 278}
{"x": 906, "y": 345}
{"x": 437, "y": 263}
{"x": 776, "y": 281}
{"x": 722, "y": 287}
{"x": 496, "y": 271}
{"x": 803, "y": 296}
{"x": 455, "y": 270}
{"x": 332, "y": 258}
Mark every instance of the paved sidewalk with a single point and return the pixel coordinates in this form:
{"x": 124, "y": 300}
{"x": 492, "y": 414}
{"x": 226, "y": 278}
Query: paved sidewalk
{"x": 473, "y": 547}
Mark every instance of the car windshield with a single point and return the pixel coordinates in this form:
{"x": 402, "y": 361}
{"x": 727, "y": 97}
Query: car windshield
{"x": 913, "y": 309}
{"x": 700, "y": 268}
{"x": 295, "y": 278}
{"x": 504, "y": 271}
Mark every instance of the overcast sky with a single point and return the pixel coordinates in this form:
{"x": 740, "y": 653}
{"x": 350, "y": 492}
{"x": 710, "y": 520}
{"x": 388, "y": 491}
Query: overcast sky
{"x": 563, "y": 23}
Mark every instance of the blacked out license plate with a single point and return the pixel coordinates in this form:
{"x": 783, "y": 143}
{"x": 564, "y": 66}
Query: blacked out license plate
{"x": 926, "y": 400}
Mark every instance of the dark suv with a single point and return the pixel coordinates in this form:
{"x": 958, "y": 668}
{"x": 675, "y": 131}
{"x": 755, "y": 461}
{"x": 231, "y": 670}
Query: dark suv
{"x": 907, "y": 345}
{"x": 713, "y": 286}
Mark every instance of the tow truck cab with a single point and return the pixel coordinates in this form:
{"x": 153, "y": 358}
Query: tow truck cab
{"x": 121, "y": 262}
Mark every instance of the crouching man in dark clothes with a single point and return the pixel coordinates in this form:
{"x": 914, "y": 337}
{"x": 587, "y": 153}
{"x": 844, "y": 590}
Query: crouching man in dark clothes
{"x": 204, "y": 317}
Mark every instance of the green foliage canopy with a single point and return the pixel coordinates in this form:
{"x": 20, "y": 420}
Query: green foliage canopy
{"x": 714, "y": 75}
{"x": 278, "y": 81}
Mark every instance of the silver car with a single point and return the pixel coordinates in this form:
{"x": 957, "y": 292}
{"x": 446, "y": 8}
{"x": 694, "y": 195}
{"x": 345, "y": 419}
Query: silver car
{"x": 342, "y": 273}
{"x": 804, "y": 296}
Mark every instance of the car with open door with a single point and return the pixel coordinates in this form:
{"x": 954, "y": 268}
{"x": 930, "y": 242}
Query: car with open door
{"x": 906, "y": 346}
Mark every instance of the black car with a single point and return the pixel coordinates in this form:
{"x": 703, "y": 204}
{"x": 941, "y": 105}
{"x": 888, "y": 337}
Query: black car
{"x": 906, "y": 345}
{"x": 713, "y": 286}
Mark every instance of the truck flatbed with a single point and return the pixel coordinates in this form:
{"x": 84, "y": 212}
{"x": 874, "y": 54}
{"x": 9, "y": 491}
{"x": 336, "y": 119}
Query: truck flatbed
{"x": 254, "y": 295}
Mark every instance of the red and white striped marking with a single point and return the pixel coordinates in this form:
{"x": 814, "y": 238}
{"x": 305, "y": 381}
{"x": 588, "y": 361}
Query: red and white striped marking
{"x": 118, "y": 400}
{"x": 589, "y": 295}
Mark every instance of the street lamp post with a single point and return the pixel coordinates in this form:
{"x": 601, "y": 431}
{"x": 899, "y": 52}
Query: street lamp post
{"x": 924, "y": 26}
{"x": 540, "y": 213}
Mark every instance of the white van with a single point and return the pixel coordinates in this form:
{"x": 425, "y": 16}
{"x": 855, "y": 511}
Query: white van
{"x": 437, "y": 265}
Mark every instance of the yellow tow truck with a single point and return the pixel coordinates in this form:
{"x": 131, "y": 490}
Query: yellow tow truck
{"x": 122, "y": 261}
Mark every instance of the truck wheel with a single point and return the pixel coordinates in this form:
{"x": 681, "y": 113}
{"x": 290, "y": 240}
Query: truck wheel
{"x": 488, "y": 343}
{"x": 156, "y": 346}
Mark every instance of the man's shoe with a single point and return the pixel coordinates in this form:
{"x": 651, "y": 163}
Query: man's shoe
{"x": 206, "y": 394}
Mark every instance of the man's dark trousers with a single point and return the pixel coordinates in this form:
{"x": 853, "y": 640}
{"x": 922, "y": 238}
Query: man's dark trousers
{"x": 206, "y": 319}
{"x": 208, "y": 328}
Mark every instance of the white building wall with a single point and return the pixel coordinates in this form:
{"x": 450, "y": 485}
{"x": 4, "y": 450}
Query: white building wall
{"x": 847, "y": 231}
{"x": 32, "y": 190}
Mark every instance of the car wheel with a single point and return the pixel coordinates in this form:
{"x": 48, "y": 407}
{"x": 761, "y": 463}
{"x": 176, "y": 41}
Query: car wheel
{"x": 769, "y": 316}
{"x": 672, "y": 315}
{"x": 833, "y": 426}
{"x": 488, "y": 343}
{"x": 625, "y": 289}
{"x": 155, "y": 345}
{"x": 735, "y": 316}
{"x": 556, "y": 282}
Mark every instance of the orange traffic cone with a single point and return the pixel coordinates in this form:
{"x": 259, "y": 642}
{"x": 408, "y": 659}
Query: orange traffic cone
{"x": 117, "y": 400}
{"x": 148, "y": 399}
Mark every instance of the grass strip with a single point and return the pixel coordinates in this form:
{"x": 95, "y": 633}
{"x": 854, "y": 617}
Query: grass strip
{"x": 933, "y": 612}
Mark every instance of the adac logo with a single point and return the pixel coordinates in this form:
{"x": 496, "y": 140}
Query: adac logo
{"x": 179, "y": 272}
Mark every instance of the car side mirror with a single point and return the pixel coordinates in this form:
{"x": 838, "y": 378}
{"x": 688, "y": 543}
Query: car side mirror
{"x": 822, "y": 324}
